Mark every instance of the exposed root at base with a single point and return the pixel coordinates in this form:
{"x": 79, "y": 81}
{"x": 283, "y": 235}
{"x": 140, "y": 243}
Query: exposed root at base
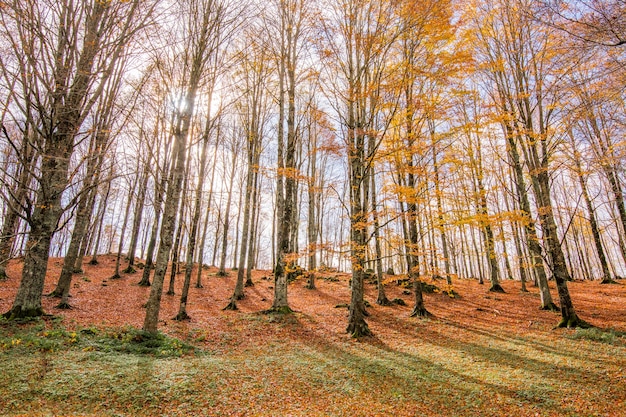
{"x": 497, "y": 288}
{"x": 17, "y": 313}
{"x": 550, "y": 307}
{"x": 232, "y": 306}
{"x": 573, "y": 323}
{"x": 278, "y": 310}
{"x": 182, "y": 316}
{"x": 359, "y": 330}
{"x": 420, "y": 312}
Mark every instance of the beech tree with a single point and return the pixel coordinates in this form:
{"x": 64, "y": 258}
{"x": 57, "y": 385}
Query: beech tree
{"x": 253, "y": 78}
{"x": 358, "y": 35}
{"x": 198, "y": 30}
{"x": 526, "y": 61}
{"x": 70, "y": 50}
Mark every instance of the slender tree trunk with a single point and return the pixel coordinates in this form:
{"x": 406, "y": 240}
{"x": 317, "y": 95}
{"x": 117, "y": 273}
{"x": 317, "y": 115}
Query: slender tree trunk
{"x": 167, "y": 229}
{"x": 381, "y": 298}
{"x": 238, "y": 292}
{"x": 139, "y": 206}
{"x": 440, "y": 215}
{"x": 19, "y": 193}
{"x": 195, "y": 221}
{"x": 536, "y": 252}
{"x": 253, "y": 228}
{"x": 595, "y": 230}
{"x": 179, "y": 232}
{"x": 159, "y": 191}
{"x": 83, "y": 212}
{"x": 101, "y": 211}
{"x": 419, "y": 310}
{"x": 118, "y": 257}
{"x": 312, "y": 221}
{"x": 222, "y": 269}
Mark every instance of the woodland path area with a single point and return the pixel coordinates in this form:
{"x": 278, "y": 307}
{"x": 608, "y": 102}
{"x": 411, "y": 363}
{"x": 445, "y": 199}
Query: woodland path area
{"x": 482, "y": 354}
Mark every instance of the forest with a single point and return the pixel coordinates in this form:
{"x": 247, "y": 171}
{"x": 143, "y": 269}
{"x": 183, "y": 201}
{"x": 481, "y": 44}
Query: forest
{"x": 434, "y": 139}
{"x": 325, "y": 190}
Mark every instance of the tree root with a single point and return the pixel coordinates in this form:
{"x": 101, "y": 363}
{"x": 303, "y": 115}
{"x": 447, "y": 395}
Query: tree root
{"x": 550, "y": 307}
{"x": 358, "y": 330}
{"x": 278, "y": 310}
{"x": 497, "y": 288}
{"x": 608, "y": 280}
{"x": 420, "y": 312}
{"x": 182, "y": 316}
{"x": 383, "y": 301}
{"x": 64, "y": 305}
{"x": 572, "y": 323}
{"x": 17, "y": 313}
{"x": 55, "y": 294}
{"x": 232, "y": 305}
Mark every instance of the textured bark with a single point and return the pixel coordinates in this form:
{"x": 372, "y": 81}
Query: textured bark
{"x": 70, "y": 100}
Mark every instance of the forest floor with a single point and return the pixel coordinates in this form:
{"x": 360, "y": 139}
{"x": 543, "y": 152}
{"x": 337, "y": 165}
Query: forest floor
{"x": 482, "y": 354}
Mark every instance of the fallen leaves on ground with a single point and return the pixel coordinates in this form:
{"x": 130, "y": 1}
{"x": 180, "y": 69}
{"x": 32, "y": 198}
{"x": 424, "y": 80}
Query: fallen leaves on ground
{"x": 483, "y": 354}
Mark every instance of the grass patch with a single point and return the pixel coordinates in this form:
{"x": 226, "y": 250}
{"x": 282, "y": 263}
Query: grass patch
{"x": 39, "y": 336}
{"x": 608, "y": 336}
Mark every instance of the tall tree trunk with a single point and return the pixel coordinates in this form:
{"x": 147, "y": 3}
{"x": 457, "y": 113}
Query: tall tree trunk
{"x": 440, "y": 214}
{"x": 312, "y": 221}
{"x": 238, "y": 292}
{"x": 83, "y": 212}
{"x": 419, "y": 310}
{"x": 120, "y": 249}
{"x": 381, "y": 298}
{"x": 179, "y": 232}
{"x": 195, "y": 221}
{"x": 222, "y": 268}
{"x": 253, "y": 227}
{"x": 595, "y": 230}
{"x": 536, "y": 252}
{"x": 139, "y": 208}
{"x": 169, "y": 222}
{"x": 101, "y": 210}
{"x": 20, "y": 192}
